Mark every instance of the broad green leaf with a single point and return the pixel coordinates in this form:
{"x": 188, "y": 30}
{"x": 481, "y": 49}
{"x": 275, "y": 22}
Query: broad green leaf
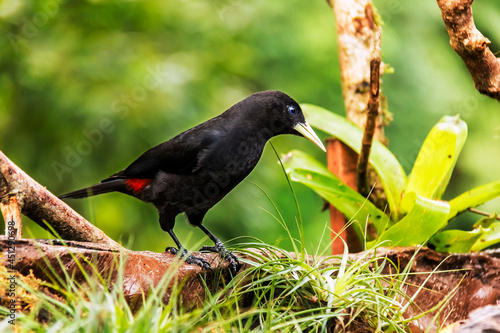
{"x": 474, "y": 197}
{"x": 383, "y": 161}
{"x": 486, "y": 222}
{"x": 456, "y": 241}
{"x": 425, "y": 218}
{"x": 485, "y": 234}
{"x": 304, "y": 169}
{"x": 490, "y": 237}
{"x": 436, "y": 159}
{"x": 297, "y": 159}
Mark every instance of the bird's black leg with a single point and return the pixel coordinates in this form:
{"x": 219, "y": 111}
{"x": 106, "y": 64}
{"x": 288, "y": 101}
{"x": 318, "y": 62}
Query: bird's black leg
{"x": 192, "y": 260}
{"x": 234, "y": 263}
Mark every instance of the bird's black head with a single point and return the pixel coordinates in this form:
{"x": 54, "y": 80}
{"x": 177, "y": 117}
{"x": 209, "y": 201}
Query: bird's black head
{"x": 278, "y": 114}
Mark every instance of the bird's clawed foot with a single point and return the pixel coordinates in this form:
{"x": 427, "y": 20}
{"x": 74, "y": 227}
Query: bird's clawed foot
{"x": 192, "y": 260}
{"x": 234, "y": 263}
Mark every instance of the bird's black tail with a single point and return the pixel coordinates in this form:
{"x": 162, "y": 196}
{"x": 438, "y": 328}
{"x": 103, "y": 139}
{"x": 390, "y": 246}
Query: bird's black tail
{"x": 105, "y": 187}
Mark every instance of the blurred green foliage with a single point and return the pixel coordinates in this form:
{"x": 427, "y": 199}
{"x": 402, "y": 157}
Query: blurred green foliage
{"x": 86, "y": 87}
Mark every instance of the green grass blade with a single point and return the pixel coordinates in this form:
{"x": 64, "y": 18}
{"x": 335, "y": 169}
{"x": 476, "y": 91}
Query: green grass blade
{"x": 386, "y": 165}
{"x": 296, "y": 201}
{"x": 278, "y": 218}
{"x": 425, "y": 218}
{"x": 474, "y": 197}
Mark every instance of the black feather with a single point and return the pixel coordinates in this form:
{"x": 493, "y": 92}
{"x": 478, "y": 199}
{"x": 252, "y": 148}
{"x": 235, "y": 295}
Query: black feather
{"x": 106, "y": 187}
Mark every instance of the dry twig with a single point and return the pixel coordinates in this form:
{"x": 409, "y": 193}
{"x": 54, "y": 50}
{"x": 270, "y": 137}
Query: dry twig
{"x": 371, "y": 117}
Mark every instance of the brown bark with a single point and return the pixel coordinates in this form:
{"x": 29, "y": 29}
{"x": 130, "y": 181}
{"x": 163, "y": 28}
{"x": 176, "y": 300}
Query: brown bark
{"x": 36, "y": 202}
{"x": 142, "y": 270}
{"x": 341, "y": 160}
{"x": 12, "y": 216}
{"x": 471, "y": 46}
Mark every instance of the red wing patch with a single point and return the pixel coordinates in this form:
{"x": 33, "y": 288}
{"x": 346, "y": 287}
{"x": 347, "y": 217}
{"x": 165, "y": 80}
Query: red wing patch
{"x": 136, "y": 184}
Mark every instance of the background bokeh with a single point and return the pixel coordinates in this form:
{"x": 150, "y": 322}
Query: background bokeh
{"x": 87, "y": 86}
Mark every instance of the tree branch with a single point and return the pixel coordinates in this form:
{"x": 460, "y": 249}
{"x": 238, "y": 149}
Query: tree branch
{"x": 479, "y": 212}
{"x": 19, "y": 193}
{"x": 471, "y": 46}
{"x": 142, "y": 270}
{"x": 371, "y": 117}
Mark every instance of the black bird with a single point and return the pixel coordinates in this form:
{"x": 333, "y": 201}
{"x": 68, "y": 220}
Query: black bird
{"x": 193, "y": 171}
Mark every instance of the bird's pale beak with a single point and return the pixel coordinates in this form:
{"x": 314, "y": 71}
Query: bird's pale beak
{"x": 307, "y": 132}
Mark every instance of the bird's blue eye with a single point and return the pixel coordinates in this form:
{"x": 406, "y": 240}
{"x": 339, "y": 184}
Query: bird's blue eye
{"x": 292, "y": 110}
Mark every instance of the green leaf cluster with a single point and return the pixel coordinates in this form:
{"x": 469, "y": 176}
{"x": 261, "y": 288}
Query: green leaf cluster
{"x": 415, "y": 211}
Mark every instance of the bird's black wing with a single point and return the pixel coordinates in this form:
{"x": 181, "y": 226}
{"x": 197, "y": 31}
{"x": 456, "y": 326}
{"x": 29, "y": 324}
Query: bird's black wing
{"x": 180, "y": 155}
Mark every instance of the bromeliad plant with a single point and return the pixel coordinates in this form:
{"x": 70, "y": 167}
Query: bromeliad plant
{"x": 415, "y": 213}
